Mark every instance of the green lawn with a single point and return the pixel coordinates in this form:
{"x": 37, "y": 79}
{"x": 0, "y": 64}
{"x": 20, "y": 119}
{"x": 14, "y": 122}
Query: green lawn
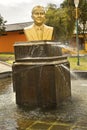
{"x": 74, "y": 66}
{"x": 9, "y": 58}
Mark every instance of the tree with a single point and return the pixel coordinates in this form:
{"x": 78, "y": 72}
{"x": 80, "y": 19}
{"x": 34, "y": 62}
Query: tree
{"x": 63, "y": 19}
{"x": 60, "y": 20}
{"x": 2, "y": 25}
{"x": 83, "y": 17}
{"x": 82, "y": 14}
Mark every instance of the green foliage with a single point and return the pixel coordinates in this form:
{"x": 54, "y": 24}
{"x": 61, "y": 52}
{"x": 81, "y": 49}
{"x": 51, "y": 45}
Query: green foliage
{"x": 62, "y": 21}
{"x": 67, "y": 3}
{"x": 83, "y": 16}
{"x": 82, "y": 13}
{"x": 2, "y": 25}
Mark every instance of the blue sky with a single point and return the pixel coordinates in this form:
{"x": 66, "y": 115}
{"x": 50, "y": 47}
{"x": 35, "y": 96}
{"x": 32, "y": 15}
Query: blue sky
{"x": 18, "y": 11}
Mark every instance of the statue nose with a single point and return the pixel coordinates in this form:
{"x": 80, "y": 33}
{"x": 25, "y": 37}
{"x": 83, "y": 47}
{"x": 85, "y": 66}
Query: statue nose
{"x": 39, "y": 15}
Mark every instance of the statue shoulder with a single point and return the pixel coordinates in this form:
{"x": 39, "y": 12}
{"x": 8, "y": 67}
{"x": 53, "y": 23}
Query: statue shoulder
{"x": 48, "y": 27}
{"x": 29, "y": 27}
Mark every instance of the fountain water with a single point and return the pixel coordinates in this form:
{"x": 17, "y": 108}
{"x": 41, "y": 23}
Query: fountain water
{"x": 70, "y": 114}
{"x": 45, "y": 83}
{"x": 67, "y": 48}
{"x": 73, "y": 75}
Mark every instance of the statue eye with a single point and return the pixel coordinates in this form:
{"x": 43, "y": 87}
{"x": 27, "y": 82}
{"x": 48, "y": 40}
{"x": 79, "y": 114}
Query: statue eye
{"x": 36, "y": 13}
{"x": 39, "y": 13}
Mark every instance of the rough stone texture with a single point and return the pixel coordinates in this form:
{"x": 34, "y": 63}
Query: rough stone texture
{"x": 60, "y": 127}
{"x": 40, "y": 81}
{"x": 41, "y": 126}
{"x": 24, "y": 50}
{"x": 78, "y": 128}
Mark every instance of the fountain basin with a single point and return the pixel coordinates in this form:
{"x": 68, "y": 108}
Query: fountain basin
{"x": 39, "y": 78}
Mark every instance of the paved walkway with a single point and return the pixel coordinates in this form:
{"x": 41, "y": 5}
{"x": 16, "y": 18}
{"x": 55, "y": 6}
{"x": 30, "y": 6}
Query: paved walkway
{"x": 72, "y": 116}
{"x": 5, "y": 69}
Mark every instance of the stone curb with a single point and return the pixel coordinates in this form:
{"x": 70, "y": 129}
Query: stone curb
{"x": 5, "y": 74}
{"x": 2, "y": 62}
{"x": 79, "y": 74}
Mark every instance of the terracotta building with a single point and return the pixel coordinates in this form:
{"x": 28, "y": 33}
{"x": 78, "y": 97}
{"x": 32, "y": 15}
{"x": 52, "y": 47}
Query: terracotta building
{"x": 14, "y": 33}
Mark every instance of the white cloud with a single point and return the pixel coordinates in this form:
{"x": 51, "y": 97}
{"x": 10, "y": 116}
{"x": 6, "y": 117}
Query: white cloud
{"x": 16, "y": 11}
{"x": 13, "y": 2}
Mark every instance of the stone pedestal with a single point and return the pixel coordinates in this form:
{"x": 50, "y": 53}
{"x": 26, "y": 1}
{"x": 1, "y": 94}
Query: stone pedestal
{"x": 40, "y": 77}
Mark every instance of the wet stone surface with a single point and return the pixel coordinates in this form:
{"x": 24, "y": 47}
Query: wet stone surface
{"x": 77, "y": 128}
{"x": 60, "y": 127}
{"x": 72, "y": 114}
{"x": 42, "y": 126}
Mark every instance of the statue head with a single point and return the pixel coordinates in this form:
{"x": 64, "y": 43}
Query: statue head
{"x": 38, "y": 15}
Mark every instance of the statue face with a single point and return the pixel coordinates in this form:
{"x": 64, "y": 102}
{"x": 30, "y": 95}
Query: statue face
{"x": 38, "y": 16}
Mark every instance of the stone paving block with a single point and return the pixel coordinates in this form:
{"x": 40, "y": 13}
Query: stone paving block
{"x": 82, "y": 123}
{"x": 23, "y": 124}
{"x": 79, "y": 128}
{"x": 60, "y": 127}
{"x": 39, "y": 126}
{"x": 4, "y": 67}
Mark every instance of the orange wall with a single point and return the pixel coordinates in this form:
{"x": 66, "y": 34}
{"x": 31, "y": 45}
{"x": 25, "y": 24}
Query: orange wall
{"x": 7, "y": 41}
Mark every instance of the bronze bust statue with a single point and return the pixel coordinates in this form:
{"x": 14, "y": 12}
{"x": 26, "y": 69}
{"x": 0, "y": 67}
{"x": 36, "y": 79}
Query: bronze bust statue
{"x": 38, "y": 30}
